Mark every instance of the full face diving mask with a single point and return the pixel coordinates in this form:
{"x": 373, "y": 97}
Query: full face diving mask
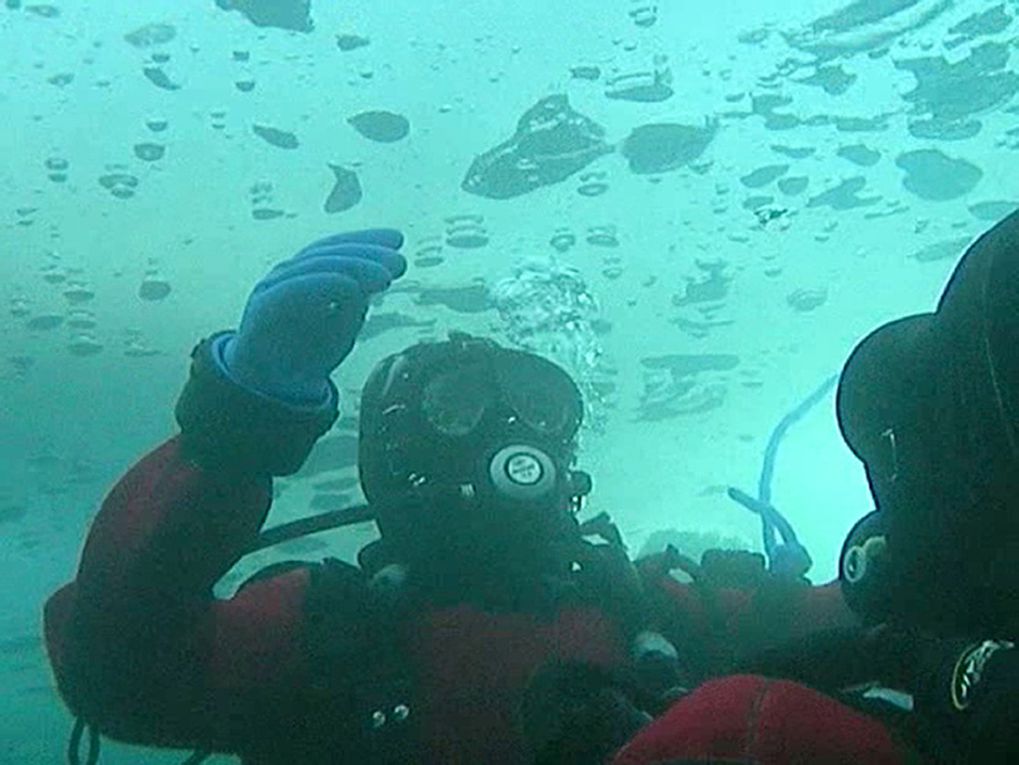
{"x": 501, "y": 424}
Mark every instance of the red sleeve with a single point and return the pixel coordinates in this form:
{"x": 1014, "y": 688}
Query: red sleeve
{"x": 779, "y": 613}
{"x": 746, "y": 718}
{"x": 718, "y": 625}
{"x": 139, "y": 645}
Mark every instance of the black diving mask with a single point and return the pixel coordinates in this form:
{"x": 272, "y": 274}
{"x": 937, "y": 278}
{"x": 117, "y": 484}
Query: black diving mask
{"x": 514, "y": 388}
{"x": 496, "y": 427}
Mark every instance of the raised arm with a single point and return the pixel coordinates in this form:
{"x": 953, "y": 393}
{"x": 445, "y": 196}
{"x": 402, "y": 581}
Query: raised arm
{"x": 140, "y": 647}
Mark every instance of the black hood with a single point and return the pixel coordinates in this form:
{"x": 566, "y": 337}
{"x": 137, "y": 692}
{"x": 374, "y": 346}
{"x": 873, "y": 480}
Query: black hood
{"x": 927, "y": 403}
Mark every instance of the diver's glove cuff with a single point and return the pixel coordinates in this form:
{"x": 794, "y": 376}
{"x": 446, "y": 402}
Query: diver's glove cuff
{"x": 225, "y": 426}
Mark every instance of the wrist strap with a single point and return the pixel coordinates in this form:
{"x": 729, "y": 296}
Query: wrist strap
{"x": 225, "y": 426}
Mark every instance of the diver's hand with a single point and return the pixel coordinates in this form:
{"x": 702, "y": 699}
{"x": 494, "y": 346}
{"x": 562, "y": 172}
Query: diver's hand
{"x": 303, "y": 317}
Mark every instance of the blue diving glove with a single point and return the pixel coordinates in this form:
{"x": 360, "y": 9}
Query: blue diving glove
{"x": 302, "y": 319}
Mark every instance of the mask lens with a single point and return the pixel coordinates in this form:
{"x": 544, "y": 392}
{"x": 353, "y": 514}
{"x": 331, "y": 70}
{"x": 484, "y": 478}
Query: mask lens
{"x": 455, "y": 402}
{"x": 541, "y": 394}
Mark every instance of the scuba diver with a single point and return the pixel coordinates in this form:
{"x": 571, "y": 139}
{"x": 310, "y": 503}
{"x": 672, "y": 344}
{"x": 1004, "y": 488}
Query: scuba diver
{"x": 930, "y": 405}
{"x": 481, "y": 577}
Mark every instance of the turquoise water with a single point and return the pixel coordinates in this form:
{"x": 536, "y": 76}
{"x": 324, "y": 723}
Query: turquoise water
{"x": 696, "y": 208}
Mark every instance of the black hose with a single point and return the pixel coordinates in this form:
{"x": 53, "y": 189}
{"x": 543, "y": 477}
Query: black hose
{"x": 302, "y": 527}
{"x": 74, "y": 744}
